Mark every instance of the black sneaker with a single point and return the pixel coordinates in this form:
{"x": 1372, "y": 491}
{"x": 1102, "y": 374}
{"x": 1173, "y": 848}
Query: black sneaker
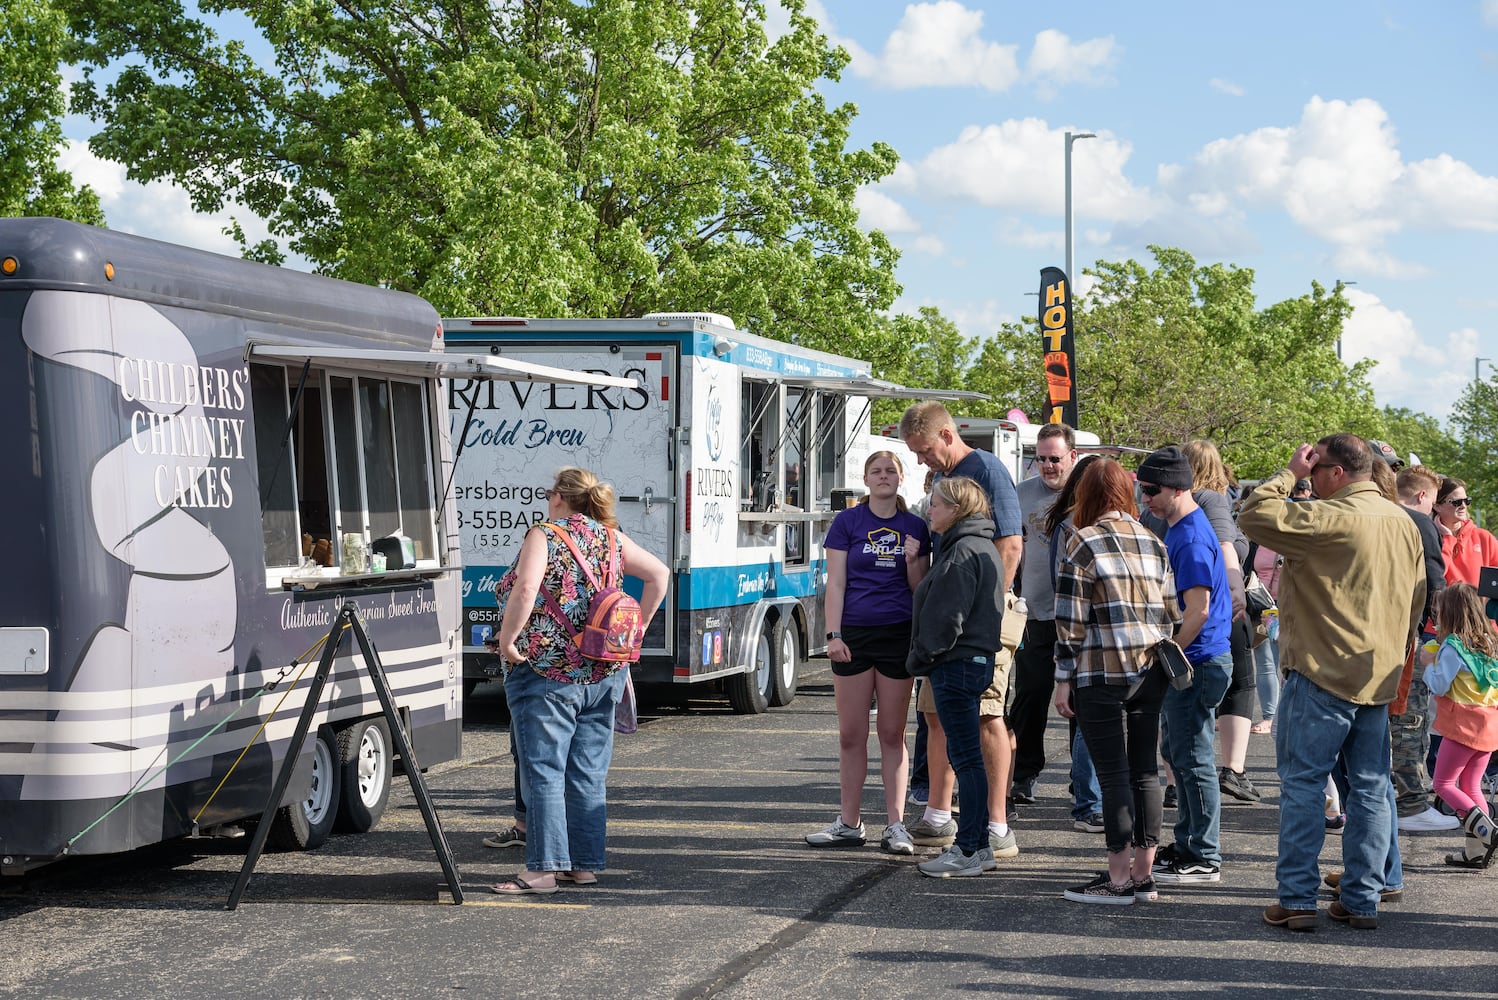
{"x": 1237, "y": 784}
{"x": 1024, "y": 793}
{"x": 1100, "y": 890}
{"x": 1170, "y": 801}
{"x": 1180, "y": 870}
{"x": 1165, "y": 856}
{"x": 1146, "y": 891}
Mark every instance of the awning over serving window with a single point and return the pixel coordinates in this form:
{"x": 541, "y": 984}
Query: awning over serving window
{"x": 431, "y": 364}
{"x": 858, "y": 385}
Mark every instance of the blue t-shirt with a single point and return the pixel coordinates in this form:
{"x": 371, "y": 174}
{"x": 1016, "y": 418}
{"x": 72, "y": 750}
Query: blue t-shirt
{"x": 877, "y": 591}
{"x": 985, "y": 469}
{"x": 1196, "y": 559}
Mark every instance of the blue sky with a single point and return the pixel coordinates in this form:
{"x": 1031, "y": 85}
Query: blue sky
{"x": 1314, "y": 140}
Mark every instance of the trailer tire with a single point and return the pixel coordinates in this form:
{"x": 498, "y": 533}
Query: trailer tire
{"x": 367, "y": 762}
{"x": 305, "y": 824}
{"x": 750, "y": 693}
{"x": 786, "y": 662}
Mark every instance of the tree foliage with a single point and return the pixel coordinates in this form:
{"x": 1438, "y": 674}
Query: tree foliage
{"x": 33, "y": 40}
{"x": 532, "y": 157}
{"x": 1475, "y": 420}
{"x": 1179, "y": 351}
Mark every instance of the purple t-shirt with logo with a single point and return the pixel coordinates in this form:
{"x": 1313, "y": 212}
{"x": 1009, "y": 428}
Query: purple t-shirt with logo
{"x": 877, "y": 592}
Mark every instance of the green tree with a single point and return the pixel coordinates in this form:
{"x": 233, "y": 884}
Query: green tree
{"x": 1475, "y": 421}
{"x": 1421, "y": 434}
{"x": 1179, "y": 351}
{"x": 542, "y": 157}
{"x": 33, "y": 40}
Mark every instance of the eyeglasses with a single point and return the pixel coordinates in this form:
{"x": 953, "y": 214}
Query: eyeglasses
{"x": 1049, "y": 459}
{"x": 1150, "y": 489}
{"x": 1458, "y": 501}
{"x": 548, "y": 494}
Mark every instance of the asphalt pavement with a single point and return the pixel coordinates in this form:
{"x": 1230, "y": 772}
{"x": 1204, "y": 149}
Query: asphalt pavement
{"x": 712, "y": 892}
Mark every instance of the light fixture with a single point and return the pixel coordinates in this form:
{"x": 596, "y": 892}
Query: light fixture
{"x": 723, "y": 346}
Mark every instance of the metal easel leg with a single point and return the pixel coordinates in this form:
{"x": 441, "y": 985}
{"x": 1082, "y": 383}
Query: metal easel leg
{"x": 293, "y": 751}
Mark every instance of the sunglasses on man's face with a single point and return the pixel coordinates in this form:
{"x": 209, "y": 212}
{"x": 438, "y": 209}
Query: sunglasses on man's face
{"x": 1049, "y": 459}
{"x": 1150, "y": 489}
{"x": 1458, "y": 501}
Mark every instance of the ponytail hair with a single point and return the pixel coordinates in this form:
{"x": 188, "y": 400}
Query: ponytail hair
{"x": 586, "y": 494}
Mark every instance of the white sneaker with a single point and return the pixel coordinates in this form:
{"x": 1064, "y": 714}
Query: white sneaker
{"x": 896, "y": 839}
{"x": 1429, "y": 821}
{"x": 837, "y": 834}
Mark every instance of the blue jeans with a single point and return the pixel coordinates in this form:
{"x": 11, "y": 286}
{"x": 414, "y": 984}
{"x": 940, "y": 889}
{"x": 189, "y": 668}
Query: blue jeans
{"x": 1188, "y": 716}
{"x": 1315, "y": 726}
{"x": 956, "y": 686}
{"x": 565, "y": 736}
{"x": 1086, "y": 796}
{"x": 1267, "y": 676}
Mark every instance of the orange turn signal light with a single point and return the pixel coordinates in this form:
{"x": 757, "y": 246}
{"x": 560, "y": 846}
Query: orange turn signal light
{"x": 9, "y": 266}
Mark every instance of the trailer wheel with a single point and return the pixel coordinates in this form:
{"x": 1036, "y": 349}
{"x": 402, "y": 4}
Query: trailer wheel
{"x": 787, "y": 663}
{"x": 305, "y": 824}
{"x": 367, "y": 764}
{"x": 749, "y": 694}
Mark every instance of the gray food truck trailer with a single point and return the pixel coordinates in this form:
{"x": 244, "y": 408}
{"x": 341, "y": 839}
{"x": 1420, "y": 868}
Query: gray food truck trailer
{"x": 210, "y": 457}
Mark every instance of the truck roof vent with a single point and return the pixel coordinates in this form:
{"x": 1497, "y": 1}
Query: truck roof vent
{"x": 717, "y": 319}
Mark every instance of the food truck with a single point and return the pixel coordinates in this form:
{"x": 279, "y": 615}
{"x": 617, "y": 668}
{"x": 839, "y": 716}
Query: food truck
{"x": 210, "y": 456}
{"x": 730, "y": 458}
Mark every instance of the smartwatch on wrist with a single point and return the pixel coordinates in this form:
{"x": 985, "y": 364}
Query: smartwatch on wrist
{"x": 834, "y": 635}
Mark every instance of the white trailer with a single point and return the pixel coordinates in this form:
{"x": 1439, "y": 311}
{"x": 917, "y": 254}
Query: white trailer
{"x": 729, "y": 458}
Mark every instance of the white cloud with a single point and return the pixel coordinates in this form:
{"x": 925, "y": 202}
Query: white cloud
{"x": 159, "y": 210}
{"x": 929, "y": 244}
{"x": 1409, "y": 373}
{"x": 1017, "y": 165}
{"x": 1338, "y": 174}
{"x": 1227, "y": 87}
{"x": 1057, "y": 60}
{"x": 877, "y": 210}
{"x": 939, "y": 45}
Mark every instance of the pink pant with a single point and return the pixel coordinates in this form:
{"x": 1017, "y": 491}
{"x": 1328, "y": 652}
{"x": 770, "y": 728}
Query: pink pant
{"x": 1458, "y": 777}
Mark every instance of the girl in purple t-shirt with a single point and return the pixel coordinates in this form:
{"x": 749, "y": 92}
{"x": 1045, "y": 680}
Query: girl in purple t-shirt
{"x": 876, "y": 554}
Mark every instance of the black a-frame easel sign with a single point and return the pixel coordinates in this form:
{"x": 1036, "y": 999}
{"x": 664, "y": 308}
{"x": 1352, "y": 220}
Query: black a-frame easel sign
{"x": 348, "y": 621}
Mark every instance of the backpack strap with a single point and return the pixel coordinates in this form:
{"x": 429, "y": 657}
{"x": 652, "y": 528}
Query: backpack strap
{"x": 577, "y": 555}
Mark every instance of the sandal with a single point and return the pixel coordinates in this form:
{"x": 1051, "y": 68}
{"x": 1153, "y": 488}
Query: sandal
{"x": 517, "y": 886}
{"x": 578, "y": 878}
{"x": 1261, "y": 727}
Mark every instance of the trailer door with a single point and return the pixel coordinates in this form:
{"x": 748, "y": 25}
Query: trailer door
{"x": 519, "y": 434}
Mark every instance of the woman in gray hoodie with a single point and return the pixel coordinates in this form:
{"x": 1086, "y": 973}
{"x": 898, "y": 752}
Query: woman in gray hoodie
{"x": 957, "y": 612}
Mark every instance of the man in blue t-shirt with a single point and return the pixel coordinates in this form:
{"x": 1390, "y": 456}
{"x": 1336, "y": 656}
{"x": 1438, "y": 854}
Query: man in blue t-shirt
{"x": 929, "y": 431}
{"x": 1205, "y": 601}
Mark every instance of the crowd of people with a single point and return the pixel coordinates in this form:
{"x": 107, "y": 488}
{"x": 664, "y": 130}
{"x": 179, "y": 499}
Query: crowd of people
{"x": 1340, "y": 596}
{"x": 1154, "y": 610}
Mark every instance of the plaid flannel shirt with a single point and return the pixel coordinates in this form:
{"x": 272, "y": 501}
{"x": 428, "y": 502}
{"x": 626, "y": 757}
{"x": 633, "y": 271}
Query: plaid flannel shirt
{"x": 1114, "y": 602}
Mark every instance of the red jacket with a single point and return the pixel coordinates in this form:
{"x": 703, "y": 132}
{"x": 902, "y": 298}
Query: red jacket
{"x": 1466, "y": 551}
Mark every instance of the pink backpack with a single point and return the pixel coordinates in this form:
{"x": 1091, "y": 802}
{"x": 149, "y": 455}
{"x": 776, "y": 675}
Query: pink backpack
{"x": 613, "y": 630}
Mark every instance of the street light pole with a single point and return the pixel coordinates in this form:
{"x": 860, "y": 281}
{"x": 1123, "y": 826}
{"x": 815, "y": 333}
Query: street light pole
{"x": 1071, "y": 137}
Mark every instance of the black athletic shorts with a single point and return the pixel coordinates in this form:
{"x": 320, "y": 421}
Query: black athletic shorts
{"x": 877, "y": 647}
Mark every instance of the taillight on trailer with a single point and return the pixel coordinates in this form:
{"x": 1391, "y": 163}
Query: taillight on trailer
{"x": 688, "y": 505}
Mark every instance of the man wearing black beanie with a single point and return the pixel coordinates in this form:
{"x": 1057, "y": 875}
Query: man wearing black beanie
{"x": 1207, "y": 616}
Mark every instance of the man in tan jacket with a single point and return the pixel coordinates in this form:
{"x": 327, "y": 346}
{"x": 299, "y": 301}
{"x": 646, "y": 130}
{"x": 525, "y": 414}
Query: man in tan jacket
{"x": 1352, "y": 562}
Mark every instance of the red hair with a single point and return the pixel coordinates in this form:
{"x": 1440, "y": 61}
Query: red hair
{"x": 1104, "y": 487}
